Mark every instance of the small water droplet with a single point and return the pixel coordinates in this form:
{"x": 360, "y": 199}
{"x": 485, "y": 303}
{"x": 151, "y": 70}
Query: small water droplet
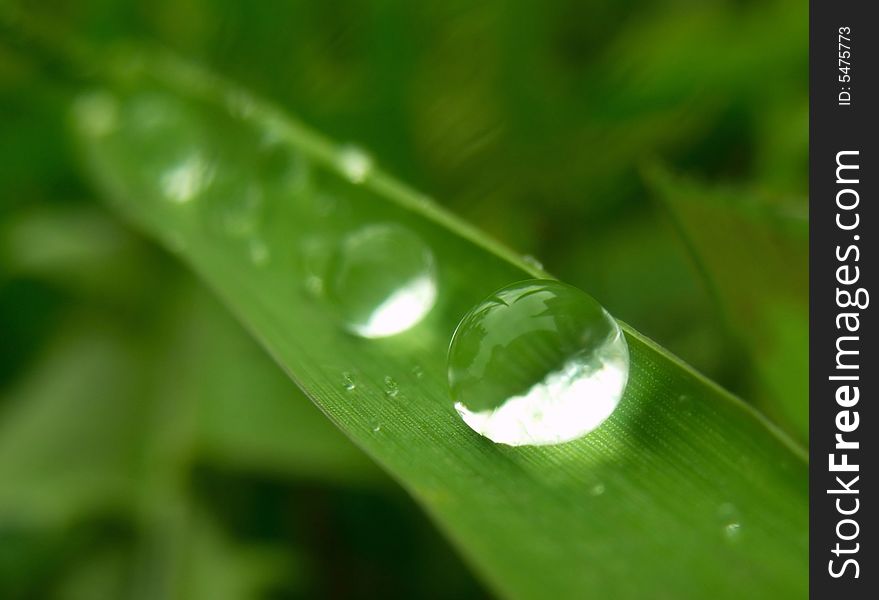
{"x": 538, "y": 362}
{"x": 533, "y": 262}
{"x": 235, "y": 205}
{"x": 354, "y": 163}
{"x": 730, "y": 519}
{"x": 323, "y": 205}
{"x": 315, "y": 253}
{"x": 259, "y": 252}
{"x": 240, "y": 104}
{"x": 417, "y": 372}
{"x": 377, "y": 427}
{"x": 160, "y": 145}
{"x": 96, "y": 113}
{"x": 348, "y": 382}
{"x": 732, "y": 530}
{"x": 314, "y": 285}
{"x": 597, "y": 489}
{"x": 391, "y": 387}
{"x": 423, "y": 200}
{"x": 383, "y": 280}
{"x": 184, "y": 181}
{"x": 285, "y": 167}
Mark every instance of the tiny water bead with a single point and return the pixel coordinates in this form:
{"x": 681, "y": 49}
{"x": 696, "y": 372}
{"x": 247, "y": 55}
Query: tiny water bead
{"x": 731, "y": 521}
{"x": 538, "y": 362}
{"x": 164, "y": 146}
{"x": 259, "y": 252}
{"x": 355, "y": 163}
{"x": 222, "y": 169}
{"x": 184, "y": 181}
{"x": 531, "y": 261}
{"x": 383, "y": 280}
{"x": 392, "y": 388}
{"x": 96, "y": 113}
{"x": 597, "y": 490}
{"x": 732, "y": 530}
{"x": 348, "y": 382}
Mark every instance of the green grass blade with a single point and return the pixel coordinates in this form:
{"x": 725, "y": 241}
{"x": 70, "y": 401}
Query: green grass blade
{"x": 683, "y": 492}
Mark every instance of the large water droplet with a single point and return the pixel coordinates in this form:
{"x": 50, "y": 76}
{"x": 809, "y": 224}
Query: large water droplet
{"x": 383, "y": 280}
{"x": 538, "y": 362}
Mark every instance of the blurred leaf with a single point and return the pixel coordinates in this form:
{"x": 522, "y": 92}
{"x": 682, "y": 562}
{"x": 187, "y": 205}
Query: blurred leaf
{"x": 683, "y": 478}
{"x": 211, "y": 567}
{"x": 755, "y": 255}
{"x": 66, "y": 440}
{"x": 94, "y": 429}
{"x": 250, "y": 416}
{"x": 218, "y": 569}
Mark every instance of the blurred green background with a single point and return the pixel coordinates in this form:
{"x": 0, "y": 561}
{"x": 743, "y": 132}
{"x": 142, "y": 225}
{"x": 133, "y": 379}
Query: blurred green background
{"x": 651, "y": 152}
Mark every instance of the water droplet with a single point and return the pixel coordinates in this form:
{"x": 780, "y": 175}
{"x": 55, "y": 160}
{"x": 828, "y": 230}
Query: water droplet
{"x": 538, "y": 362}
{"x": 150, "y": 139}
{"x": 391, "y": 387}
{"x": 417, "y": 372}
{"x": 285, "y": 167}
{"x": 314, "y": 285}
{"x": 235, "y": 205}
{"x": 96, "y": 113}
{"x": 325, "y": 205}
{"x": 348, "y": 382}
{"x": 730, "y": 520}
{"x": 315, "y": 253}
{"x": 259, "y": 252}
{"x": 354, "y": 163}
{"x": 597, "y": 489}
{"x": 383, "y": 280}
{"x": 240, "y": 104}
{"x": 532, "y": 262}
{"x": 185, "y": 180}
{"x": 377, "y": 427}
{"x": 732, "y": 530}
